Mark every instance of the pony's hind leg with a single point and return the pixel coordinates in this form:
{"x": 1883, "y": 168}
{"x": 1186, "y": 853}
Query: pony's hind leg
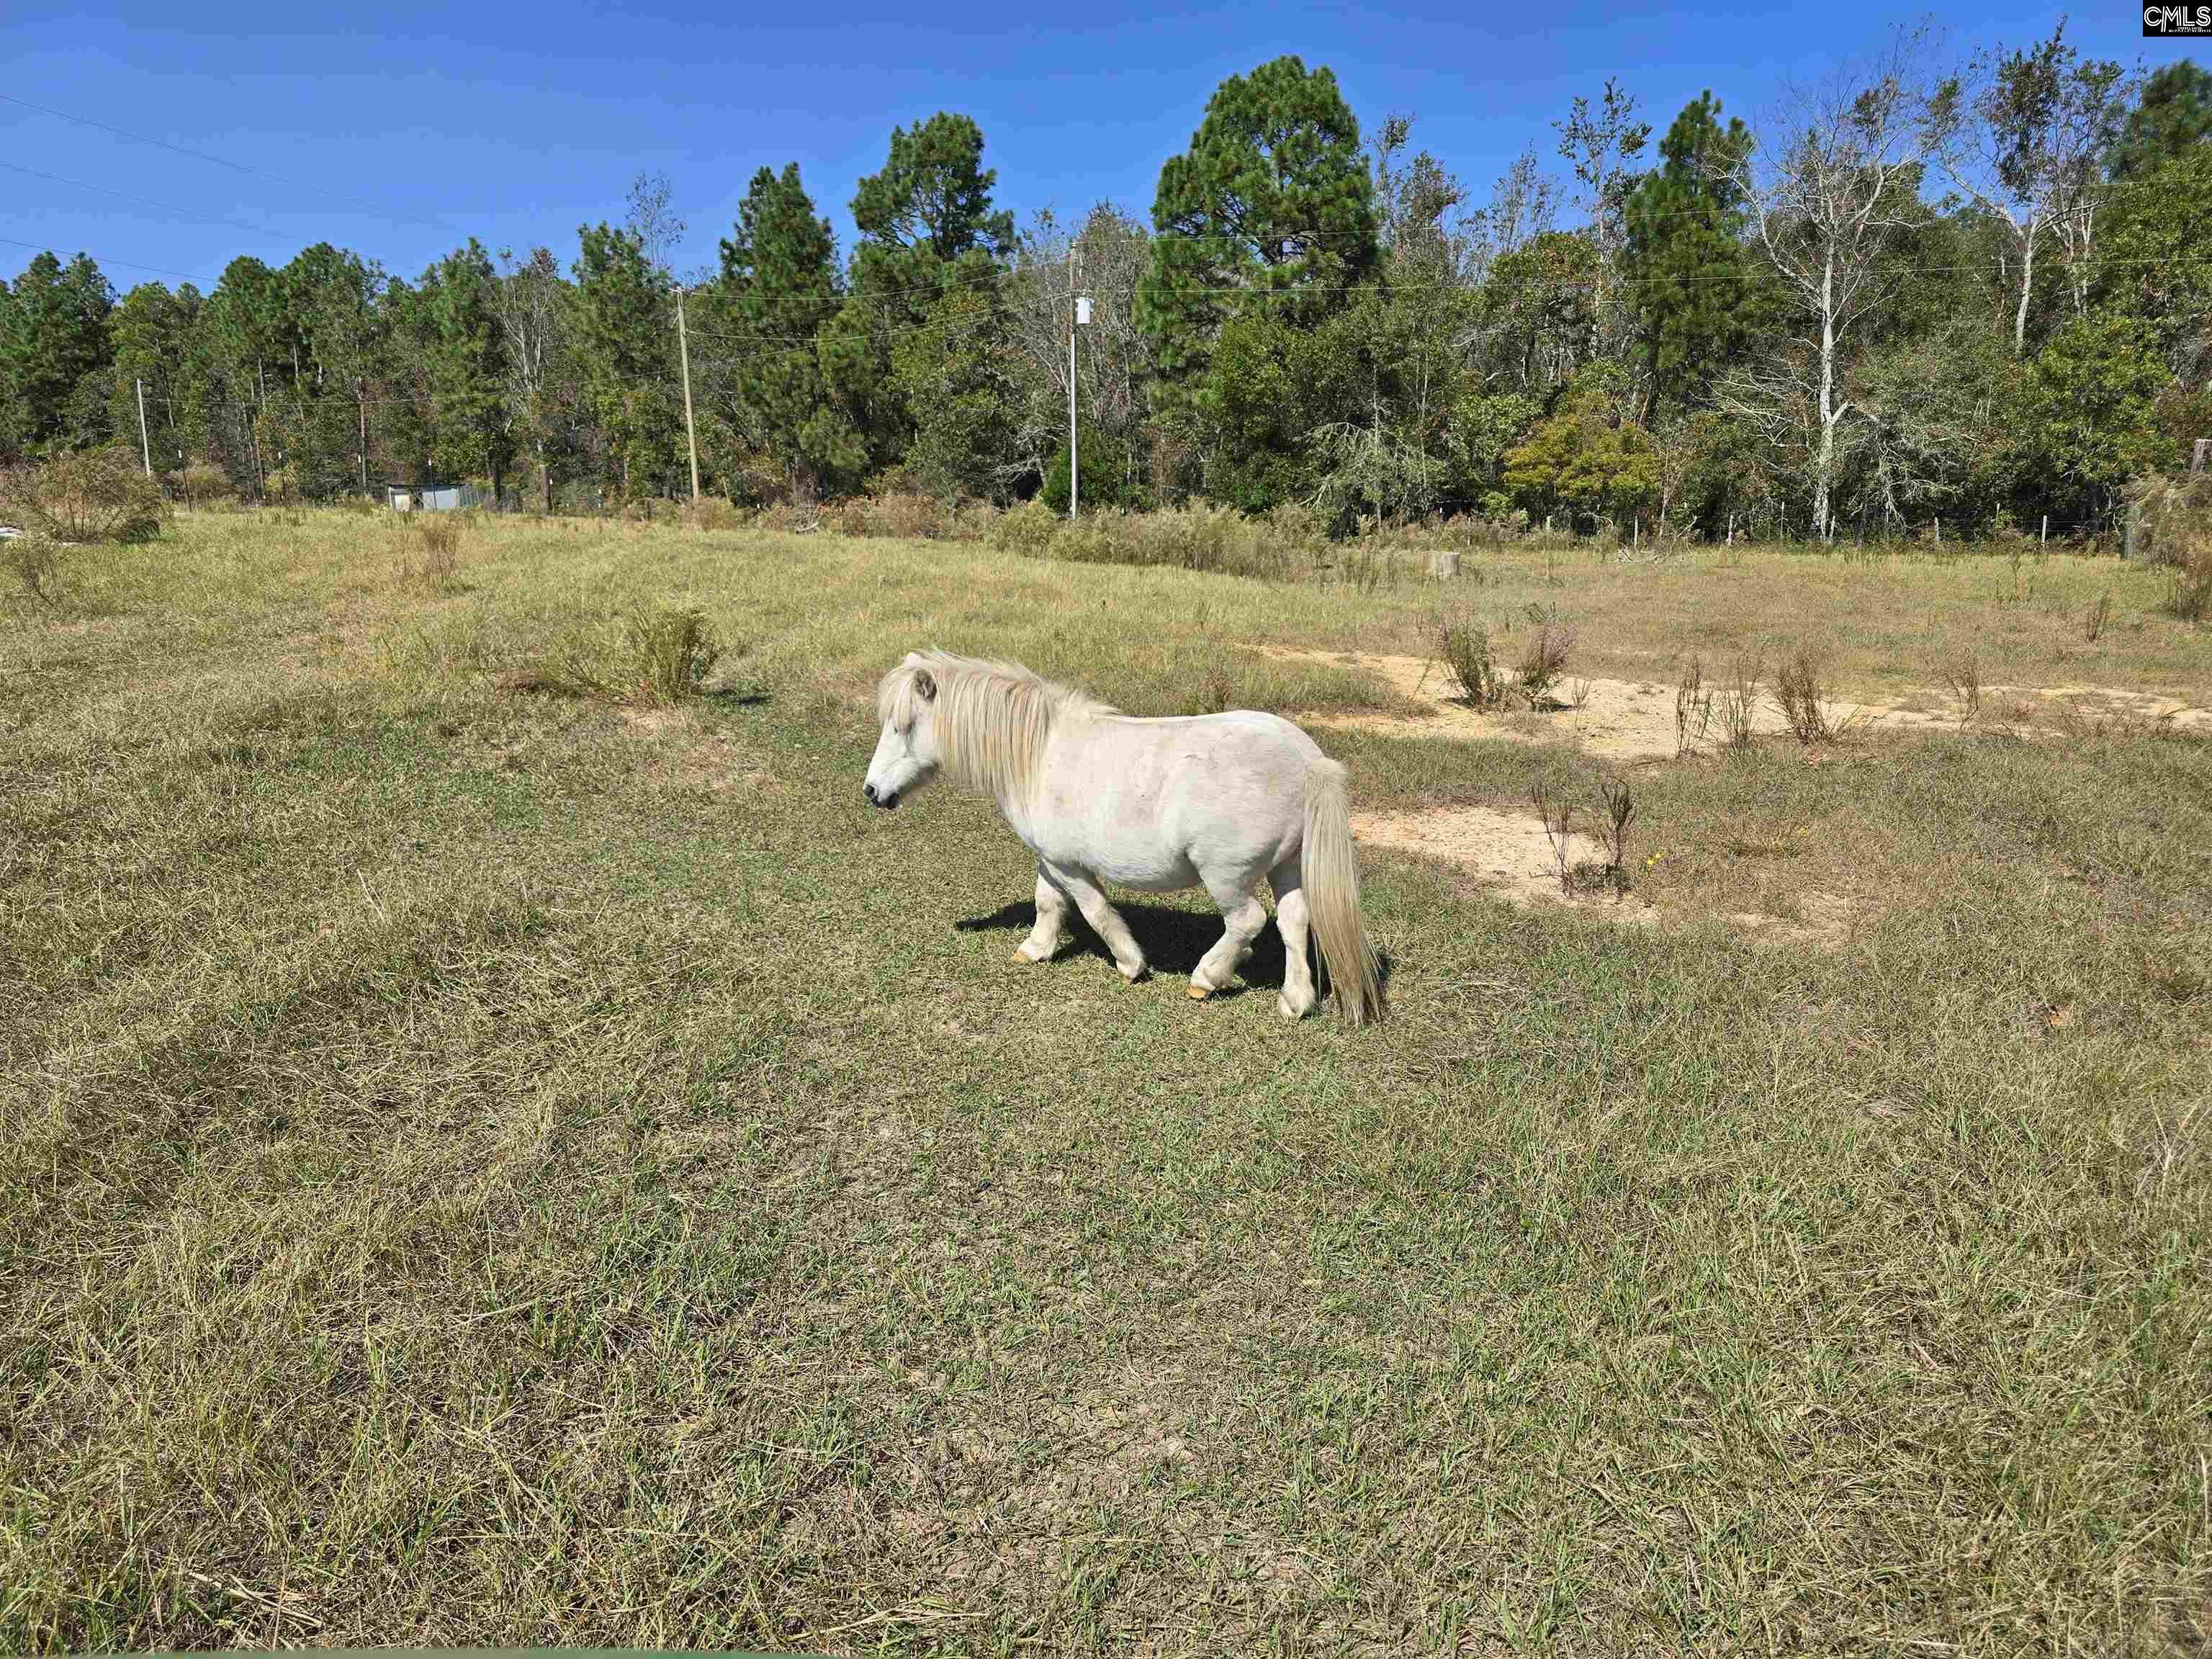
{"x": 1243, "y": 916}
{"x": 1298, "y": 998}
{"x": 1105, "y": 920}
{"x": 1051, "y": 931}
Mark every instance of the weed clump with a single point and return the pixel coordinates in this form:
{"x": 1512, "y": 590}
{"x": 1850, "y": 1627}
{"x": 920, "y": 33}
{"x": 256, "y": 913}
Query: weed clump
{"x": 83, "y": 496}
{"x": 1462, "y": 646}
{"x": 1798, "y": 693}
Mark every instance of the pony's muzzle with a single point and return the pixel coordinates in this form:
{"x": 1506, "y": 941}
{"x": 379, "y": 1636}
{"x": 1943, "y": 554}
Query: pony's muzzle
{"x": 885, "y": 798}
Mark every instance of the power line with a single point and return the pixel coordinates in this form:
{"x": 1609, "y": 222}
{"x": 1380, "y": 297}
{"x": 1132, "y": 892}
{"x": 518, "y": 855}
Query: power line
{"x": 124, "y": 264}
{"x": 167, "y": 207}
{"x": 221, "y": 161}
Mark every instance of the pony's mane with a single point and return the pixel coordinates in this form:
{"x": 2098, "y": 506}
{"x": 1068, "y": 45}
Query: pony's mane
{"x": 992, "y": 718}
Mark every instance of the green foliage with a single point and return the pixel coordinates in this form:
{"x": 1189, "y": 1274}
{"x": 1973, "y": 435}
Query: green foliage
{"x": 57, "y": 350}
{"x": 625, "y": 330}
{"x": 1105, "y": 483}
{"x": 1694, "y": 280}
{"x": 2172, "y": 117}
{"x": 2150, "y": 264}
{"x": 1026, "y": 529}
{"x": 779, "y": 287}
{"x": 2090, "y": 412}
{"x": 1539, "y": 307}
{"x": 953, "y": 373}
{"x": 1585, "y": 458}
{"x": 1267, "y": 215}
{"x": 1484, "y": 428}
{"x": 927, "y": 229}
{"x": 466, "y": 373}
{"x": 931, "y": 204}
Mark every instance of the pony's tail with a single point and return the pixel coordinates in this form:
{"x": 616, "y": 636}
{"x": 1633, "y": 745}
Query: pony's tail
{"x": 1329, "y": 872}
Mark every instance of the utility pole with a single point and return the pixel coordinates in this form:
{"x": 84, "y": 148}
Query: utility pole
{"x": 145, "y": 449}
{"x": 1082, "y": 316}
{"x": 691, "y": 434}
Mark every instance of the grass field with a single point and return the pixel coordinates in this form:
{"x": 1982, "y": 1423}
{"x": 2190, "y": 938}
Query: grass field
{"x": 490, "y": 1167}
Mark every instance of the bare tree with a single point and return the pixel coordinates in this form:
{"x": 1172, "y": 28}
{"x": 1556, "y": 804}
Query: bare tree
{"x": 531, "y": 302}
{"x": 1831, "y": 198}
{"x": 2021, "y": 134}
{"x": 652, "y": 219}
{"x": 1600, "y": 145}
{"x": 1115, "y": 363}
{"x": 1522, "y": 206}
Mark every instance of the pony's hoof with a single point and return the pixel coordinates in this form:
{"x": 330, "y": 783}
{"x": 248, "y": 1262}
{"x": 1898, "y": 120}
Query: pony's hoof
{"x": 1289, "y": 1010}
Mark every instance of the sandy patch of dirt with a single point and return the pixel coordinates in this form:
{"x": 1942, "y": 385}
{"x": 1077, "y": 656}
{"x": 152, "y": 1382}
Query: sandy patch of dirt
{"x": 1506, "y": 851}
{"x": 1631, "y": 720}
{"x": 1510, "y": 854}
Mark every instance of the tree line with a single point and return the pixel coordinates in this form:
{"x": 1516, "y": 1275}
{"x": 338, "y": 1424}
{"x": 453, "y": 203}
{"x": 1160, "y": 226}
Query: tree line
{"x": 1981, "y": 295}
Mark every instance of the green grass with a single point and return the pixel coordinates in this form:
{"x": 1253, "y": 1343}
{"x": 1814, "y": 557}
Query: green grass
{"x": 490, "y": 1167}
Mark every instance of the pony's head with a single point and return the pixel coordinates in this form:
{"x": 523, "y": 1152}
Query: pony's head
{"x": 982, "y": 722}
{"x": 906, "y": 755}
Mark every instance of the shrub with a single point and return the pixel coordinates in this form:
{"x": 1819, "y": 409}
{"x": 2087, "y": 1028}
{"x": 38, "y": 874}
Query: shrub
{"x": 2095, "y": 618}
{"x": 440, "y": 535}
{"x": 797, "y": 517}
{"x": 969, "y": 521}
{"x": 1693, "y": 709}
{"x": 1740, "y": 703}
{"x": 1098, "y": 538}
{"x": 84, "y": 495}
{"x": 37, "y": 564}
{"x": 1798, "y": 692}
{"x": 2177, "y": 525}
{"x": 848, "y": 518}
{"x": 200, "y": 482}
{"x": 909, "y": 517}
{"x": 713, "y": 512}
{"x": 1966, "y": 678}
{"x": 1462, "y": 646}
{"x": 1616, "y": 811}
{"x": 670, "y": 651}
{"x": 1545, "y": 659}
{"x": 1027, "y": 530}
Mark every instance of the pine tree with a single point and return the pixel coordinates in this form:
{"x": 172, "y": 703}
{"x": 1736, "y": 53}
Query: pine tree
{"x": 248, "y": 329}
{"x": 468, "y": 379}
{"x": 927, "y": 226}
{"x": 779, "y": 287}
{"x": 1692, "y": 284}
{"x": 58, "y": 352}
{"x": 626, "y": 337}
{"x": 1268, "y": 213}
{"x": 2172, "y": 115}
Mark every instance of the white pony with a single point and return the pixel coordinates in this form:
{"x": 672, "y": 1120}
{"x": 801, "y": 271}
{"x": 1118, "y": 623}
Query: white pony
{"x": 1219, "y": 800}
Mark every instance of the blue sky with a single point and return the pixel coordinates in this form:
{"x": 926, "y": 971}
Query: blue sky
{"x": 403, "y": 129}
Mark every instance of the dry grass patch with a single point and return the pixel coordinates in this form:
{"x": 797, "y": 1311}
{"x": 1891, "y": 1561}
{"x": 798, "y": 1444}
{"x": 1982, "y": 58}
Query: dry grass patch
{"x": 558, "y": 1202}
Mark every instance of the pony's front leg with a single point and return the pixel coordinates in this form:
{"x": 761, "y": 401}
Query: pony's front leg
{"x": 1105, "y": 920}
{"x": 1050, "y": 932}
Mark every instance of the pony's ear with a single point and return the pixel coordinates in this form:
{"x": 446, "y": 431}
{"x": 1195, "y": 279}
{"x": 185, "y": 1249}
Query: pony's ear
{"x": 924, "y": 686}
